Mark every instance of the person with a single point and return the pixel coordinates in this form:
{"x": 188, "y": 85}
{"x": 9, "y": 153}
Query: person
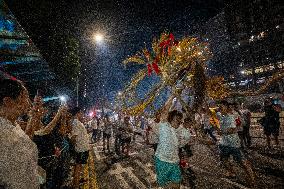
{"x": 153, "y": 131}
{"x": 107, "y": 133}
{"x": 80, "y": 138}
{"x": 246, "y": 125}
{"x": 94, "y": 124}
{"x": 63, "y": 144}
{"x": 239, "y": 121}
{"x": 167, "y": 153}
{"x": 19, "y": 155}
{"x": 271, "y": 121}
{"x": 117, "y": 133}
{"x": 184, "y": 136}
{"x": 127, "y": 131}
{"x": 43, "y": 137}
{"x": 100, "y": 125}
{"x": 229, "y": 144}
{"x": 208, "y": 127}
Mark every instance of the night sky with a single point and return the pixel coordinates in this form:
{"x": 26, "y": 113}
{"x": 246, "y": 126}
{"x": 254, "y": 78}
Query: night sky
{"x": 127, "y": 25}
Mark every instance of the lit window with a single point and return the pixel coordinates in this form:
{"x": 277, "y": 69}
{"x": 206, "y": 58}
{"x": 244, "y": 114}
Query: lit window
{"x": 258, "y": 70}
{"x": 243, "y": 83}
{"x": 280, "y": 64}
{"x": 233, "y": 84}
{"x": 247, "y": 72}
{"x": 271, "y": 67}
{"x": 260, "y": 80}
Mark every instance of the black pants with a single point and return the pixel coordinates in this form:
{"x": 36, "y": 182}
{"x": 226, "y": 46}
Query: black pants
{"x": 117, "y": 144}
{"x": 210, "y": 132}
{"x": 94, "y": 135}
{"x": 246, "y": 136}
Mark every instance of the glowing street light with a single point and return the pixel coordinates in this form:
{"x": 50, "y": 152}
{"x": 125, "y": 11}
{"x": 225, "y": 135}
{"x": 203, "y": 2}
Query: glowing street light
{"x": 63, "y": 99}
{"x": 98, "y": 38}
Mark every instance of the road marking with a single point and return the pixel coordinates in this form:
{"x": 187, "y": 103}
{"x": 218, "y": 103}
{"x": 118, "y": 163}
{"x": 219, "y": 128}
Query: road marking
{"x": 117, "y": 173}
{"x": 129, "y": 171}
{"x": 234, "y": 183}
{"x": 224, "y": 179}
{"x": 93, "y": 176}
{"x": 151, "y": 176}
{"x": 97, "y": 154}
{"x": 138, "y": 183}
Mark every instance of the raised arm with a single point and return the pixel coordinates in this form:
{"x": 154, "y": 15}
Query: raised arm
{"x": 165, "y": 109}
{"x": 35, "y": 115}
{"x": 46, "y": 130}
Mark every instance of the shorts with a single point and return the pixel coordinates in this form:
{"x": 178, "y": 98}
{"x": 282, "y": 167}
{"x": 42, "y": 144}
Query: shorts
{"x": 167, "y": 172}
{"x": 271, "y": 130}
{"x": 82, "y": 157}
{"x": 227, "y": 151}
{"x": 105, "y": 135}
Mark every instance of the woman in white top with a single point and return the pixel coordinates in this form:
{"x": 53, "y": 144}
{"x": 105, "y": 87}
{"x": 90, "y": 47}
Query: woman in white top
{"x": 19, "y": 154}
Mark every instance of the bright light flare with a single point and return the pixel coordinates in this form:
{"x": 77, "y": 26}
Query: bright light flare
{"x": 98, "y": 38}
{"x": 62, "y": 98}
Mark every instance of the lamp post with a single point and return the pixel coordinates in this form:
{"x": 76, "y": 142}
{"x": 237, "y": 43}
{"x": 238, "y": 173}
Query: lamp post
{"x": 98, "y": 38}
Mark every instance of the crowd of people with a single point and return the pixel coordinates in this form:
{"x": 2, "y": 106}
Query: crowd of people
{"x": 226, "y": 126}
{"x": 40, "y": 146}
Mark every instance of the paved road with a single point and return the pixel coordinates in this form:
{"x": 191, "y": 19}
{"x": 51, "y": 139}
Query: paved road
{"x": 137, "y": 171}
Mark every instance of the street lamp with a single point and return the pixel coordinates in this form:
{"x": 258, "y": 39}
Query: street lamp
{"x": 98, "y": 38}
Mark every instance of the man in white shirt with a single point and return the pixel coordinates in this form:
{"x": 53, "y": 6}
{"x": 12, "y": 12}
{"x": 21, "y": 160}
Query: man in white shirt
{"x": 19, "y": 155}
{"x": 81, "y": 141}
{"x": 167, "y": 153}
{"x": 229, "y": 144}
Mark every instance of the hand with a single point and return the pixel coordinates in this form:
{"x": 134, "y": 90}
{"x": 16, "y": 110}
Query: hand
{"x": 62, "y": 110}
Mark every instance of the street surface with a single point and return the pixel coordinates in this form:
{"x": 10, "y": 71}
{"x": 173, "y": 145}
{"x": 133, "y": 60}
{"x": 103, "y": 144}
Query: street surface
{"x": 138, "y": 171}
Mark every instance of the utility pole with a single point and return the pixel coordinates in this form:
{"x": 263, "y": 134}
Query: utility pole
{"x": 77, "y": 91}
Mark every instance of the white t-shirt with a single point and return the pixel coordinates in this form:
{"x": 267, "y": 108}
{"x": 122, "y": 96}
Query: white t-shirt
{"x": 232, "y": 140}
{"x": 205, "y": 119}
{"x": 18, "y": 158}
{"x": 168, "y": 145}
{"x": 82, "y": 138}
{"x": 198, "y": 118}
{"x": 94, "y": 123}
{"x": 183, "y": 136}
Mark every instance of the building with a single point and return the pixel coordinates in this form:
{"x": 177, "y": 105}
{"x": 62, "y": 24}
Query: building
{"x": 247, "y": 42}
{"x": 19, "y": 57}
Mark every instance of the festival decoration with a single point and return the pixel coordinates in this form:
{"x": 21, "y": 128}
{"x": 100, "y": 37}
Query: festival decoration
{"x": 216, "y": 88}
{"x": 171, "y": 60}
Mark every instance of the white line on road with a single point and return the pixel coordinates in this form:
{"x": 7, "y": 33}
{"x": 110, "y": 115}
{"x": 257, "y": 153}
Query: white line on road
{"x": 224, "y": 179}
{"x": 151, "y": 176}
{"x": 234, "y": 183}
{"x": 97, "y": 154}
{"x": 117, "y": 173}
{"x": 138, "y": 183}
